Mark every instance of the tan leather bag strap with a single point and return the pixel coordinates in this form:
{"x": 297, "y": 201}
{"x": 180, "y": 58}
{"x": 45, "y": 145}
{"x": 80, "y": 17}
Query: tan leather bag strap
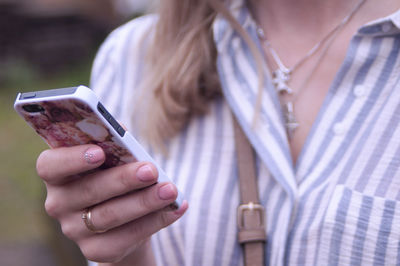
{"x": 250, "y": 214}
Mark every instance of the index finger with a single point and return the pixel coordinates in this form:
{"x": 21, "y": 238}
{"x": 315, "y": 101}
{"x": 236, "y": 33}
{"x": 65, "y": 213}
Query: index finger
{"x": 55, "y": 165}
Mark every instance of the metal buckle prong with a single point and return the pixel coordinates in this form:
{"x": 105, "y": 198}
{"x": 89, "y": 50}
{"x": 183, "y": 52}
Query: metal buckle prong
{"x": 251, "y": 206}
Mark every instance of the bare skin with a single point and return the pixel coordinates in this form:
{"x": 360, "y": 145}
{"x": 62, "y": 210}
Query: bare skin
{"x": 285, "y": 20}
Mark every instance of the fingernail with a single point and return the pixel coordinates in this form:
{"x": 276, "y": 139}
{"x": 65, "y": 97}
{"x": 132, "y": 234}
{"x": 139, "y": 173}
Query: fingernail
{"x": 145, "y": 173}
{"x": 94, "y": 155}
{"x": 167, "y": 192}
{"x": 182, "y": 209}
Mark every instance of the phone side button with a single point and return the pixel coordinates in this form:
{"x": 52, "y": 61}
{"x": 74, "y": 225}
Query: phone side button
{"x": 28, "y": 95}
{"x": 121, "y": 131}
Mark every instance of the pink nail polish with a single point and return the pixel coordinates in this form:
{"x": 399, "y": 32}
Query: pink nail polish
{"x": 182, "y": 209}
{"x": 93, "y": 155}
{"x": 167, "y": 192}
{"x": 145, "y": 173}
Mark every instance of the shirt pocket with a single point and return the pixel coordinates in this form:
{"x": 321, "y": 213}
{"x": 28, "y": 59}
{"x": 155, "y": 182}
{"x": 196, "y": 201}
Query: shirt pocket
{"x": 360, "y": 230}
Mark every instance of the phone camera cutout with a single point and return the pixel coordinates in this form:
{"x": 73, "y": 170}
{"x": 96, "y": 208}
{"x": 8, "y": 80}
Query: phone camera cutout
{"x": 33, "y": 108}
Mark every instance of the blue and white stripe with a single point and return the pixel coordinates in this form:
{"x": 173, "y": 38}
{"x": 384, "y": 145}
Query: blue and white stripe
{"x": 340, "y": 205}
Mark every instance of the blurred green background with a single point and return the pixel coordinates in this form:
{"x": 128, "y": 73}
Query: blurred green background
{"x": 27, "y": 235}
{"x": 44, "y": 44}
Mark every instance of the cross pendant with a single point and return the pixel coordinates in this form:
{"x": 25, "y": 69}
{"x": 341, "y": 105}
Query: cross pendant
{"x": 290, "y": 119}
{"x": 280, "y": 80}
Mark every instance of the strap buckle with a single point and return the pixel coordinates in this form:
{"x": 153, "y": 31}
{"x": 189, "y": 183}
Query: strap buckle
{"x": 250, "y": 207}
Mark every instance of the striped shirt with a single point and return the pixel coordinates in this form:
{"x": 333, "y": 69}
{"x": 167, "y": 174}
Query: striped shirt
{"x": 339, "y": 205}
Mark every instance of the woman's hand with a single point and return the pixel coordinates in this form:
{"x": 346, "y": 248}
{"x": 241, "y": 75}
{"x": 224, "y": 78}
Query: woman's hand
{"x": 125, "y": 201}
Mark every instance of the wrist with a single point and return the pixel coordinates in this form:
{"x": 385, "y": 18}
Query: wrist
{"x": 143, "y": 255}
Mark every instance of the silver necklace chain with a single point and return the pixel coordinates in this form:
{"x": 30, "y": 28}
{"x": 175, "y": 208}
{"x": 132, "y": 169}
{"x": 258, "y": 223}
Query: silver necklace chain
{"x": 282, "y": 75}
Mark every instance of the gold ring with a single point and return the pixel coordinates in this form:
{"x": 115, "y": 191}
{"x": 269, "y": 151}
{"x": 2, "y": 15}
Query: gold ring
{"x": 87, "y": 218}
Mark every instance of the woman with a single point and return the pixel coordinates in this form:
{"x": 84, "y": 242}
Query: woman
{"x": 314, "y": 85}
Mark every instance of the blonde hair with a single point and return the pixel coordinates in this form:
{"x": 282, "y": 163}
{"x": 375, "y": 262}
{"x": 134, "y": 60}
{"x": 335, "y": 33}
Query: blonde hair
{"x": 182, "y": 77}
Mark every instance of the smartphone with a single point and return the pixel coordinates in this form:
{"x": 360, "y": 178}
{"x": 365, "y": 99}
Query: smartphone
{"x": 74, "y": 116}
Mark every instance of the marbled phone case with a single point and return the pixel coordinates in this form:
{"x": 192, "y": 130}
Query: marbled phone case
{"x": 69, "y": 122}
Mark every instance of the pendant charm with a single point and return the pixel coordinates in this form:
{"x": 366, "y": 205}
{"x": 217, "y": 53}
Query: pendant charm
{"x": 291, "y": 122}
{"x": 280, "y": 80}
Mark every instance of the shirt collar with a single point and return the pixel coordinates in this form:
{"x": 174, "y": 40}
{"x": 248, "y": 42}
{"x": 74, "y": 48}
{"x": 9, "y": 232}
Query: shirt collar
{"x": 385, "y": 26}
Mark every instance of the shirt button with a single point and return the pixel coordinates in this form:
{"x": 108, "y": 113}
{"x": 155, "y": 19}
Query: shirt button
{"x": 339, "y": 128}
{"x": 359, "y": 91}
{"x": 386, "y": 27}
{"x": 236, "y": 43}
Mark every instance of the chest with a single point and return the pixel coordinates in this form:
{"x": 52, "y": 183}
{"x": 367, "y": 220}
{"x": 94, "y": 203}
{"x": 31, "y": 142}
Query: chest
{"x": 311, "y": 76}
{"x": 349, "y": 164}
{"x": 342, "y": 174}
